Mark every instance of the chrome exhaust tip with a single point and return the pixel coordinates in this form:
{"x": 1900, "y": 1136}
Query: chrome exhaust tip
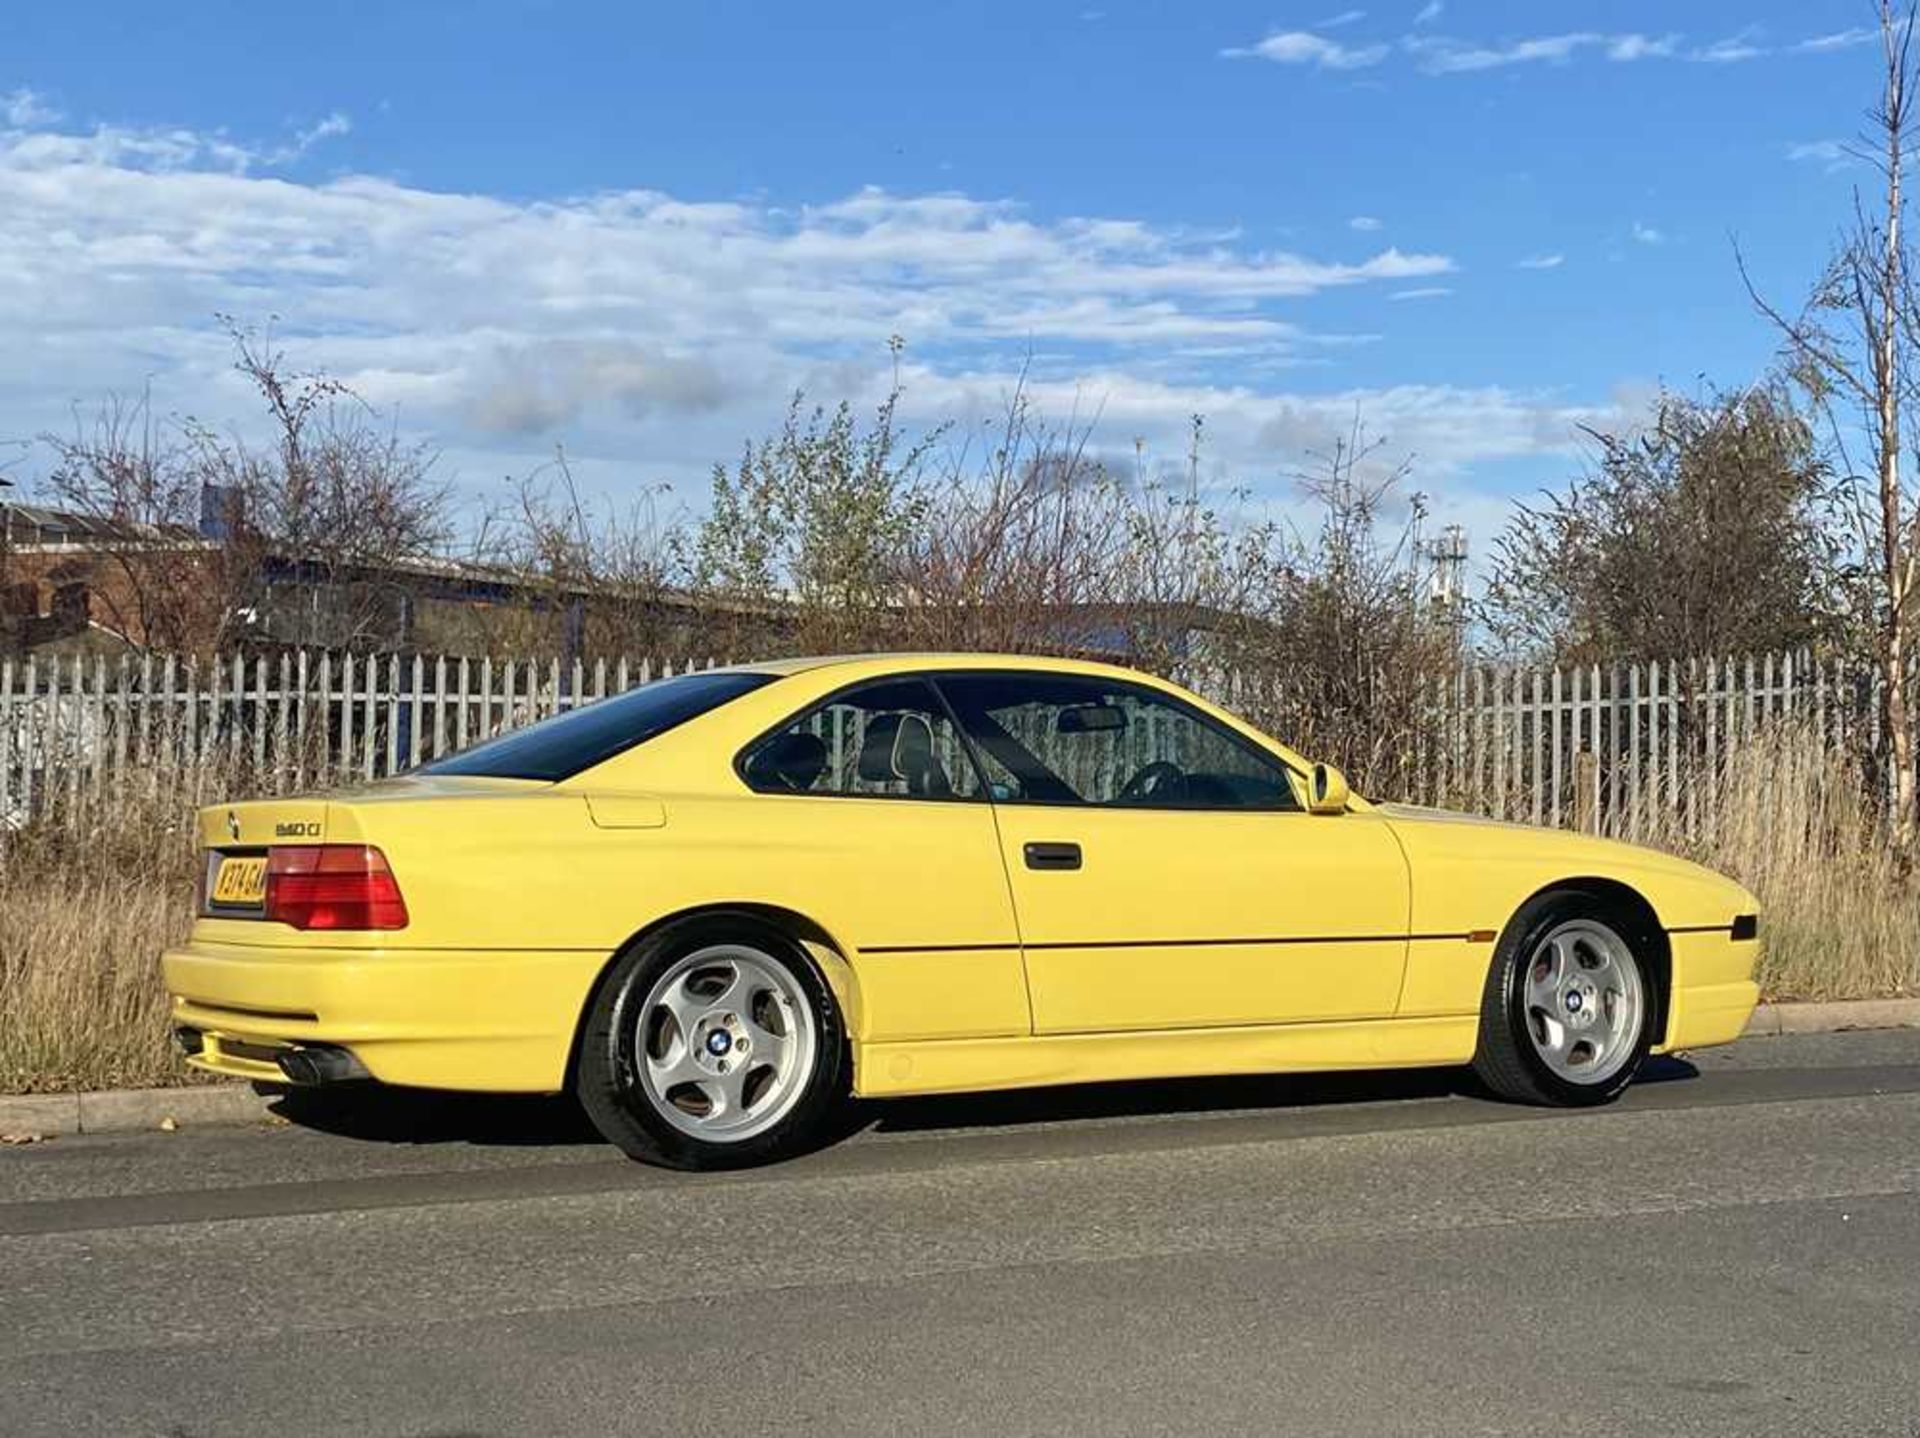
{"x": 313, "y": 1064}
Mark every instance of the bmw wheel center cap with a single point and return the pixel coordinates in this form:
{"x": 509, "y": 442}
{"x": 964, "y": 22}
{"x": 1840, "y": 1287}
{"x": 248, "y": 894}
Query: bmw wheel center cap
{"x": 718, "y": 1042}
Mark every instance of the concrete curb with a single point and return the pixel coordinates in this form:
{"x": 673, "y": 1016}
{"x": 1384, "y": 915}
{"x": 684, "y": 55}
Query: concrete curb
{"x": 1829, "y": 1018}
{"x": 132, "y": 1110}
{"x": 137, "y": 1110}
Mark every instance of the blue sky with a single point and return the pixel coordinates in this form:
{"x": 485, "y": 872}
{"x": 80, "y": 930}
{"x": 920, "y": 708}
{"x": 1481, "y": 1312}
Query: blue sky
{"x": 633, "y": 229}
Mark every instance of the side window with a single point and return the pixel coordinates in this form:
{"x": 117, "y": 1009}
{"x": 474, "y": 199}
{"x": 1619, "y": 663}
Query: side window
{"x": 1068, "y": 739}
{"x": 889, "y": 739}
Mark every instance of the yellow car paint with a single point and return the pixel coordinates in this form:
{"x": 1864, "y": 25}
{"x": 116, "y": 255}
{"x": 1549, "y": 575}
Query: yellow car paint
{"x": 1189, "y": 942}
{"x": 1203, "y": 895}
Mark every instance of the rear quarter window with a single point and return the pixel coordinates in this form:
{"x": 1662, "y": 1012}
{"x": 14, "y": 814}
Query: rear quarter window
{"x": 560, "y": 747}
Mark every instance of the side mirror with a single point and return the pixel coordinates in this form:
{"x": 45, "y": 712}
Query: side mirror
{"x": 1327, "y": 791}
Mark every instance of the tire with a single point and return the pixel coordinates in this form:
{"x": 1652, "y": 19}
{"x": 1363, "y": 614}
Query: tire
{"x": 713, "y": 1043}
{"x": 1569, "y": 1006}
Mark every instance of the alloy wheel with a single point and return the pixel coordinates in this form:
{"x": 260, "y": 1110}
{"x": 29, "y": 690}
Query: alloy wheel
{"x": 1583, "y": 1001}
{"x": 725, "y": 1043}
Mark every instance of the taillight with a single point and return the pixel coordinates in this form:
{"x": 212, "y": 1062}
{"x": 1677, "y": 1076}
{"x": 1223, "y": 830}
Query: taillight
{"x": 333, "y": 886}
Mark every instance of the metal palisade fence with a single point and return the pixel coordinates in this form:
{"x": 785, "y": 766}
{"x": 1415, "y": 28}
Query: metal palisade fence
{"x": 1619, "y": 747}
{"x": 75, "y": 728}
{"x": 1629, "y": 748}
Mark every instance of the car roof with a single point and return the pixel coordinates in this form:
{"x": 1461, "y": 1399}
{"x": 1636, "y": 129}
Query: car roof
{"x": 883, "y": 662}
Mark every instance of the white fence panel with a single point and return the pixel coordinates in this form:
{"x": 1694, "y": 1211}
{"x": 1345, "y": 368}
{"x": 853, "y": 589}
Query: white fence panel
{"x": 1602, "y": 747}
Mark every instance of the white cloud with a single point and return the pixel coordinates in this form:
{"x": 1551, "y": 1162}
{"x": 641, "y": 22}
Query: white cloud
{"x": 1444, "y": 56}
{"x": 1345, "y": 17}
{"x": 1647, "y": 234}
{"x": 1448, "y": 57}
{"x": 1424, "y": 292}
{"x": 1451, "y": 57}
{"x": 1448, "y": 427}
{"x": 1831, "y": 153}
{"x": 1731, "y": 51}
{"x": 333, "y": 125}
{"x": 1839, "y": 40}
{"x": 31, "y": 144}
{"x": 1542, "y": 262}
{"x": 1301, "y": 47}
{"x": 148, "y": 150}
{"x": 23, "y": 108}
{"x": 1429, "y": 13}
{"x": 1625, "y": 48}
{"x": 654, "y": 332}
{"x": 546, "y": 384}
{"x": 1366, "y": 224}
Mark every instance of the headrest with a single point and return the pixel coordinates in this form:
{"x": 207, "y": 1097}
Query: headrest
{"x": 897, "y": 746}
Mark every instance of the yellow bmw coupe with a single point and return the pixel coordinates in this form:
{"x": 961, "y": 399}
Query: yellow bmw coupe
{"x": 717, "y": 904}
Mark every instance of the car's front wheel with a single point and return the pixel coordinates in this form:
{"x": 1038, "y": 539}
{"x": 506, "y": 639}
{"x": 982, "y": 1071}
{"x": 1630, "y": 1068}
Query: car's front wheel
{"x": 1567, "y": 1013}
{"x": 713, "y": 1044}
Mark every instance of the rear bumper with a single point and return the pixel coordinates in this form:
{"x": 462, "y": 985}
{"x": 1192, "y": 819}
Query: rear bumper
{"x": 484, "y": 1020}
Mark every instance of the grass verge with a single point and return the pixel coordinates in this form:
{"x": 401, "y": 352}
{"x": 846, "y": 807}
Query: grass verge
{"x": 86, "y": 905}
{"x": 1791, "y": 820}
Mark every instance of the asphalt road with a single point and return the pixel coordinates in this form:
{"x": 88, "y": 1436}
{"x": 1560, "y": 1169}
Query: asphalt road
{"x": 1733, "y": 1249}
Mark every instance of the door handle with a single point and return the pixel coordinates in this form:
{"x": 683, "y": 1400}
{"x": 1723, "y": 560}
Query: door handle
{"x": 1053, "y": 856}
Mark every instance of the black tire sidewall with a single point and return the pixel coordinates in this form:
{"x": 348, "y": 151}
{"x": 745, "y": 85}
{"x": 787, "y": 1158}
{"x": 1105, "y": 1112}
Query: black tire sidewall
{"x": 1534, "y": 922}
{"x": 606, "y": 1078}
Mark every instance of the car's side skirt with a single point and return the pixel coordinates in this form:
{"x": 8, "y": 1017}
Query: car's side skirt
{"x": 886, "y": 1070}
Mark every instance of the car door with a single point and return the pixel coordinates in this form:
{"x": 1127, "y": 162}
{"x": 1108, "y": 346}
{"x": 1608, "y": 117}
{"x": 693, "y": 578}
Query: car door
{"x": 868, "y": 811}
{"x": 1163, "y": 871}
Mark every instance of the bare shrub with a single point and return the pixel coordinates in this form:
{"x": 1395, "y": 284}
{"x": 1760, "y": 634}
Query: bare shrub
{"x": 1346, "y": 659}
{"x": 1030, "y": 541}
{"x": 345, "y": 501}
{"x": 804, "y": 536}
{"x": 1021, "y": 537}
{"x": 140, "y": 476}
{"x": 581, "y": 577}
{"x": 191, "y": 519}
{"x": 1855, "y": 348}
{"x": 1654, "y": 551}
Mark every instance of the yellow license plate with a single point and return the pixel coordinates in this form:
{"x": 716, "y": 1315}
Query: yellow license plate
{"x": 241, "y": 881}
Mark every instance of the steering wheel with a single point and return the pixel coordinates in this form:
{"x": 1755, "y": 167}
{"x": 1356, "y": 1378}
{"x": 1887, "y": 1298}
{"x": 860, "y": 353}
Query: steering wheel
{"x": 1158, "y": 780}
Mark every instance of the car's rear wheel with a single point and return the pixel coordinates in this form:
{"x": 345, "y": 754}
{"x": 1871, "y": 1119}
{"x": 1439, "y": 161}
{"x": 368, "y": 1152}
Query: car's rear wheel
{"x": 1566, "y": 1017}
{"x": 713, "y": 1044}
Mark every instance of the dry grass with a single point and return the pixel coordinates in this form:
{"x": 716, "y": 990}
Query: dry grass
{"x": 1791, "y": 820}
{"x": 87, "y": 908}
{"x": 86, "y": 905}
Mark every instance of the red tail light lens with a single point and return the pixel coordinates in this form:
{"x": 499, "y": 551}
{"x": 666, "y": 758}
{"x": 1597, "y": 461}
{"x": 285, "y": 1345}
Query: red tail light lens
{"x": 333, "y": 886}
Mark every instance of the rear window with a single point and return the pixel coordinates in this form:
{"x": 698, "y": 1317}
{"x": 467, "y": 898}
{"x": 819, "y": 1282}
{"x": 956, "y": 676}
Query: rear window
{"x": 562, "y": 746}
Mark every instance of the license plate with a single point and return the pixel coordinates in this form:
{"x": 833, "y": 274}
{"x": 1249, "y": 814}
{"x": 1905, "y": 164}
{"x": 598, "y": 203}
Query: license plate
{"x": 241, "y": 882}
